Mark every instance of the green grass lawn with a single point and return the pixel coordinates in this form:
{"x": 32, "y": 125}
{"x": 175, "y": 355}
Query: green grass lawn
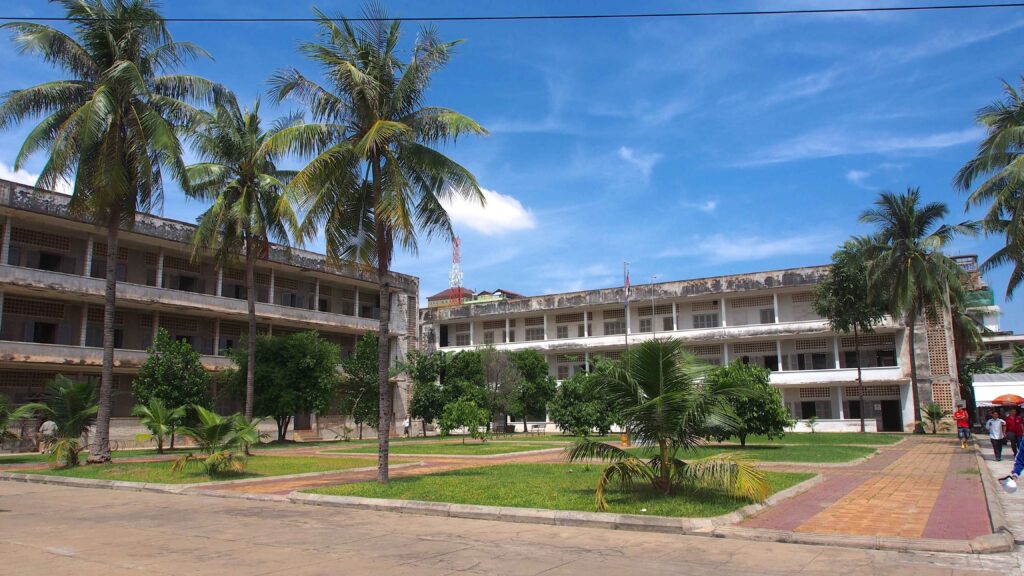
{"x": 777, "y": 452}
{"x": 471, "y": 447}
{"x": 829, "y": 438}
{"x": 257, "y": 467}
{"x": 26, "y": 458}
{"x": 552, "y": 486}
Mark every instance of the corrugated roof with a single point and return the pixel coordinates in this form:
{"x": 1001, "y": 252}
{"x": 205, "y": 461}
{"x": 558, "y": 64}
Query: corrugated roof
{"x": 1002, "y": 377}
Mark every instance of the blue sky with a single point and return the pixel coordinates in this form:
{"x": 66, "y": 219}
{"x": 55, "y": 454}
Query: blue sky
{"x": 689, "y": 147}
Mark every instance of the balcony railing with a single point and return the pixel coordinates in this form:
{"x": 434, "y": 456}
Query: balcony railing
{"x": 86, "y": 357}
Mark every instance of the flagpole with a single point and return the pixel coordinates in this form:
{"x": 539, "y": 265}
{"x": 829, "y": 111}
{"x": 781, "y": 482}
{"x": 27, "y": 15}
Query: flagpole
{"x": 625, "y": 283}
{"x": 654, "y": 317}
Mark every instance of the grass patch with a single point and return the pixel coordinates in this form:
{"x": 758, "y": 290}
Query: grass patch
{"x": 776, "y": 453}
{"x": 473, "y": 449}
{"x": 257, "y": 467}
{"x": 116, "y": 454}
{"x": 829, "y": 438}
{"x": 551, "y": 486}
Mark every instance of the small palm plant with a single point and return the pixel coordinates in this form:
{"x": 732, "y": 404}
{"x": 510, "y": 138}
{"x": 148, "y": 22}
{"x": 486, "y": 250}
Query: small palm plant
{"x": 811, "y": 423}
{"x": 217, "y": 438}
{"x": 159, "y": 420}
{"x": 659, "y": 392}
{"x": 72, "y": 407}
{"x": 8, "y": 417}
{"x": 249, "y": 433}
{"x": 934, "y": 414}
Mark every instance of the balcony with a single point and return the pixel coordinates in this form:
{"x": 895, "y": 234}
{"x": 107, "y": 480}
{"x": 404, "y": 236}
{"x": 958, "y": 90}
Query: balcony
{"x": 886, "y": 374}
{"x": 79, "y": 357}
{"x": 47, "y": 283}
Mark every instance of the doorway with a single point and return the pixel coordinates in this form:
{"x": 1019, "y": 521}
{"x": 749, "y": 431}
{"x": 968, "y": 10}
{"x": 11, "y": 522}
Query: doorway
{"x": 892, "y": 416}
{"x": 302, "y": 421}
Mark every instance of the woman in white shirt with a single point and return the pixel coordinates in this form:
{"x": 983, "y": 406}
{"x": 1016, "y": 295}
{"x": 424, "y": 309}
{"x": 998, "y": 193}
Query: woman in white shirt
{"x": 996, "y": 427}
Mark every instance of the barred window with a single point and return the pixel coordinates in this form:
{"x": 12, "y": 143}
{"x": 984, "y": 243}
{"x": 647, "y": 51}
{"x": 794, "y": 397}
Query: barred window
{"x": 822, "y": 392}
{"x": 489, "y": 337}
{"x": 667, "y": 324}
{"x": 614, "y": 314}
{"x": 646, "y": 324}
{"x": 615, "y": 327}
{"x": 768, "y": 316}
{"x": 535, "y": 321}
{"x": 494, "y": 324}
{"x": 705, "y": 320}
{"x": 562, "y": 332}
{"x": 534, "y": 334}
{"x": 752, "y": 302}
{"x": 811, "y": 344}
{"x": 37, "y": 238}
{"x": 569, "y": 318}
{"x": 753, "y": 347}
{"x": 709, "y": 306}
{"x": 800, "y": 297}
{"x": 37, "y": 308}
{"x": 563, "y": 372}
{"x": 462, "y": 339}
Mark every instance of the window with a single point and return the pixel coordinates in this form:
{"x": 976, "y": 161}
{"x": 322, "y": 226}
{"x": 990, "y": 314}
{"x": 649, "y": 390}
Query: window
{"x": 99, "y": 270}
{"x": 768, "y": 316}
{"x": 667, "y": 325}
{"x": 462, "y": 339}
{"x": 850, "y": 359}
{"x": 818, "y": 361}
{"x": 50, "y": 262}
{"x": 291, "y": 299}
{"x": 808, "y": 409}
{"x": 888, "y": 358}
{"x": 44, "y": 333}
{"x": 187, "y": 284}
{"x": 705, "y": 320}
{"x": 561, "y": 332}
{"x": 583, "y": 330}
{"x": 512, "y": 335}
{"x": 563, "y": 372}
{"x": 325, "y": 305}
{"x": 535, "y": 333}
{"x": 771, "y": 363}
{"x": 645, "y": 324}
{"x": 853, "y": 409}
{"x": 489, "y": 337}
{"x": 614, "y": 327}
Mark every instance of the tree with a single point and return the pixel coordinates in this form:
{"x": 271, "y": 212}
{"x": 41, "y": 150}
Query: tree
{"x": 656, "y": 389}
{"x": 72, "y": 407}
{"x": 173, "y": 374}
{"x": 536, "y": 387}
{"x": 159, "y": 420}
{"x": 463, "y": 413}
{"x": 758, "y": 408}
{"x": 109, "y": 126}
{"x": 462, "y": 376}
{"x": 502, "y": 380}
{"x": 1017, "y": 364}
{"x": 934, "y": 414}
{"x": 427, "y": 400}
{"x": 238, "y": 173}
{"x": 359, "y": 384}
{"x": 376, "y": 178}
{"x": 997, "y": 166}
{"x": 217, "y": 438}
{"x": 294, "y": 374}
{"x": 982, "y": 364}
{"x": 907, "y": 264}
{"x": 579, "y": 407}
{"x": 8, "y": 417}
{"x": 846, "y": 300}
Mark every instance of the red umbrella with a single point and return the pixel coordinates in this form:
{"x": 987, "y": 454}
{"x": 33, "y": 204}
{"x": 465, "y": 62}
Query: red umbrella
{"x": 1008, "y": 400}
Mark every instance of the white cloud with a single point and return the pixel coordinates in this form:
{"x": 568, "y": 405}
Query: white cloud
{"x": 831, "y": 142}
{"x": 499, "y": 215}
{"x": 643, "y": 162}
{"x": 857, "y": 176}
{"x": 23, "y": 176}
{"x": 802, "y": 87}
{"x": 708, "y": 206}
{"x": 722, "y": 248}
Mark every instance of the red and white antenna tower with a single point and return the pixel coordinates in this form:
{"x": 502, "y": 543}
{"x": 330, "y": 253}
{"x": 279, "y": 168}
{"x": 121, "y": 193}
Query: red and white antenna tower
{"x": 455, "y": 275}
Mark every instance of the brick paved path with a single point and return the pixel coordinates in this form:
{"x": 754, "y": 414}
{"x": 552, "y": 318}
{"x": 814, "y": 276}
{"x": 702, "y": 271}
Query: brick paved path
{"x": 924, "y": 487}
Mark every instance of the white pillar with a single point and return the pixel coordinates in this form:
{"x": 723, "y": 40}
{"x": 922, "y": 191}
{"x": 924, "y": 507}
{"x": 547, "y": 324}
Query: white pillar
{"x": 842, "y": 412}
{"x": 216, "y": 336}
{"x": 629, "y": 328}
{"x": 220, "y": 281}
{"x": 675, "y": 317}
{"x": 835, "y": 351}
{"x": 270, "y": 297}
{"x": 471, "y": 332}
{"x": 87, "y": 265}
{"x": 545, "y": 326}
{"x": 586, "y": 318}
{"x": 721, "y": 304}
{"x": 85, "y": 323}
{"x": 586, "y": 360}
{"x": 270, "y": 329}
{"x": 316, "y": 295}
{"x": 725, "y": 353}
{"x": 506, "y": 330}
{"x": 156, "y": 323}
{"x": 160, "y": 270}
{"x": 5, "y": 248}
{"x": 356, "y": 310}
{"x": 778, "y": 353}
{"x": 775, "y": 305}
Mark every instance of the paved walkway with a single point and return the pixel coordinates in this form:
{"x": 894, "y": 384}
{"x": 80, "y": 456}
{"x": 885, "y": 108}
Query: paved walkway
{"x": 52, "y": 531}
{"x": 923, "y": 487}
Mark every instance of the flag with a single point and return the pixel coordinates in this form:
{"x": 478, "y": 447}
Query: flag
{"x": 626, "y": 305}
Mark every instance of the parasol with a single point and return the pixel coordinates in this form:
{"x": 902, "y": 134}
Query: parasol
{"x": 1008, "y": 400}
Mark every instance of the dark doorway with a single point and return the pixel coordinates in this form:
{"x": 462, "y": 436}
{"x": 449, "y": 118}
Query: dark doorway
{"x": 50, "y": 262}
{"x": 302, "y": 421}
{"x": 44, "y": 333}
{"x": 808, "y": 410}
{"x": 892, "y": 416}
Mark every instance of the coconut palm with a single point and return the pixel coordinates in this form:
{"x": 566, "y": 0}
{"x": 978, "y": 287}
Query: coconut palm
{"x": 217, "y": 438}
{"x": 1017, "y": 364}
{"x": 934, "y": 414}
{"x": 109, "y": 126}
{"x": 376, "y": 177}
{"x": 663, "y": 403}
{"x": 72, "y": 407}
{"x": 238, "y": 173}
{"x": 907, "y": 265}
{"x": 159, "y": 420}
{"x": 8, "y": 417}
{"x": 998, "y": 170}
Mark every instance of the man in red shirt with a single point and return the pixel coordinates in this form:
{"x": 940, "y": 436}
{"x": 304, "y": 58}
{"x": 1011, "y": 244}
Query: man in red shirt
{"x": 963, "y": 425}
{"x": 1014, "y": 429}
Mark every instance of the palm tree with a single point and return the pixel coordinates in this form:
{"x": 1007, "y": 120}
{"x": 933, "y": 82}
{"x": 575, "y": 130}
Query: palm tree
{"x": 934, "y": 414}
{"x": 217, "y": 438}
{"x": 907, "y": 265}
{"x": 999, "y": 165}
{"x": 72, "y": 407}
{"x": 376, "y": 177}
{"x": 1017, "y": 364}
{"x": 8, "y": 417}
{"x": 110, "y": 127}
{"x": 657, "y": 390}
{"x": 238, "y": 172}
{"x": 159, "y": 420}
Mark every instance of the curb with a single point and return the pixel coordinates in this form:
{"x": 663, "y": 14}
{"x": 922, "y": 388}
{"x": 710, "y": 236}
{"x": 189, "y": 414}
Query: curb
{"x": 996, "y": 512}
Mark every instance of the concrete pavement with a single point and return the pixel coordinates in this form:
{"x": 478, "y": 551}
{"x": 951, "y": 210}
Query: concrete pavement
{"x": 51, "y": 530}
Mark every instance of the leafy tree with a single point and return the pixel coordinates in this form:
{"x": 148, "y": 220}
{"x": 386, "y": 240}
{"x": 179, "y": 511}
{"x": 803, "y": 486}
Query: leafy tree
{"x": 1017, "y": 364}
{"x": 462, "y": 376}
{"x": 427, "y": 400}
{"x": 758, "y": 406}
{"x": 217, "y": 438}
{"x": 934, "y": 414}
{"x": 579, "y": 407}
{"x": 377, "y": 176}
{"x": 502, "y": 380}
{"x": 656, "y": 389}
{"x": 110, "y": 126}
{"x": 8, "y": 417}
{"x": 359, "y": 384}
{"x": 982, "y": 364}
{"x": 907, "y": 265}
{"x": 846, "y": 300}
{"x": 997, "y": 169}
{"x": 294, "y": 374}
{"x": 464, "y": 413}
{"x": 536, "y": 387}
{"x": 173, "y": 374}
{"x": 72, "y": 407}
{"x": 159, "y": 420}
{"x": 238, "y": 172}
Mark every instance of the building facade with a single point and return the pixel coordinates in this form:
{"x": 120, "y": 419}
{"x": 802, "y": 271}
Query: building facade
{"x": 52, "y": 269}
{"x": 762, "y": 318}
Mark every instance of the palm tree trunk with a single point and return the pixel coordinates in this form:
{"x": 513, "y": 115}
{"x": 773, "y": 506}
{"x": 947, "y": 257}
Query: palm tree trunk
{"x": 860, "y": 376}
{"x": 383, "y": 338}
{"x": 665, "y": 474}
{"x": 100, "y": 451}
{"x": 915, "y": 393}
{"x": 250, "y": 297}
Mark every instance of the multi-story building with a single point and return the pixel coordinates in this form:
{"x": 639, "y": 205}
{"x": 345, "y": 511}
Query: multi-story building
{"x": 762, "y": 318}
{"x": 52, "y": 269}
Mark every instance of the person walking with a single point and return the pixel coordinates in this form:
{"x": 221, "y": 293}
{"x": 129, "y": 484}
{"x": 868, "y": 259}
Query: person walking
{"x": 407, "y": 422}
{"x": 963, "y": 425}
{"x": 996, "y": 427}
{"x": 47, "y": 432}
{"x": 1014, "y": 429}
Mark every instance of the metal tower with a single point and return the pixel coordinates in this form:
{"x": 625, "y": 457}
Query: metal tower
{"x": 455, "y": 275}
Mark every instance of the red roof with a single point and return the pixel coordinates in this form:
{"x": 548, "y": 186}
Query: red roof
{"x": 451, "y": 293}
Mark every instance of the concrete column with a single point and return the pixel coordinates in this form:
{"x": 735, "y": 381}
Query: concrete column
{"x": 87, "y": 265}
{"x": 675, "y": 317}
{"x": 5, "y": 247}
{"x": 506, "y": 330}
{"x": 545, "y": 327}
{"x": 270, "y": 329}
{"x": 156, "y": 323}
{"x": 85, "y": 322}
{"x": 216, "y": 336}
{"x": 778, "y": 353}
{"x": 835, "y": 351}
{"x": 725, "y": 353}
{"x": 586, "y": 360}
{"x": 316, "y": 295}
{"x": 775, "y": 305}
{"x": 629, "y": 327}
{"x": 471, "y": 333}
{"x": 721, "y": 305}
{"x": 586, "y": 317}
{"x": 270, "y": 297}
{"x": 356, "y": 311}
{"x": 160, "y": 269}
{"x": 220, "y": 281}
{"x": 842, "y": 411}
